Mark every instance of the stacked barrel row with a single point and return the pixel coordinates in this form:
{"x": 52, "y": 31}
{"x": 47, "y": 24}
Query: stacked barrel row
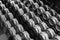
{"x": 13, "y": 26}
{"x": 30, "y": 20}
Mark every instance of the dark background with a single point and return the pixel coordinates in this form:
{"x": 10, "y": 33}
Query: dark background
{"x": 54, "y": 4}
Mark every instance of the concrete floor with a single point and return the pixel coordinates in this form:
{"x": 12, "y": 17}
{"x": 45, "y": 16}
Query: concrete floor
{"x": 3, "y": 37}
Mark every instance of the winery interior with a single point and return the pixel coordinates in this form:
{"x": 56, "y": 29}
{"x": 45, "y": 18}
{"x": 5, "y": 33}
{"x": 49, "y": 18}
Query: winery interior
{"x": 29, "y": 19}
